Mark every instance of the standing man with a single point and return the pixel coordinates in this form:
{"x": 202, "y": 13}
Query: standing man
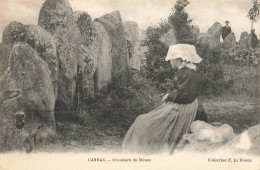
{"x": 226, "y": 30}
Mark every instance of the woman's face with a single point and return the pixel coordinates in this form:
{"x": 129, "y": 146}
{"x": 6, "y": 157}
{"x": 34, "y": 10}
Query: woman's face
{"x": 176, "y": 62}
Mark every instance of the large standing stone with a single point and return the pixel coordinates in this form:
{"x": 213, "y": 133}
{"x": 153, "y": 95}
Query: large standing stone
{"x": 56, "y": 16}
{"x": 212, "y": 37}
{"x": 30, "y": 74}
{"x": 44, "y": 43}
{"x": 196, "y": 30}
{"x": 169, "y": 38}
{"x": 84, "y": 23}
{"x": 133, "y": 44}
{"x": 208, "y": 40}
{"x": 143, "y": 48}
{"x": 247, "y": 142}
{"x": 244, "y": 40}
{"x": 14, "y": 32}
{"x": 215, "y": 30}
{"x": 113, "y": 24}
{"x": 5, "y": 51}
{"x": 88, "y": 57}
{"x": 7, "y": 131}
{"x": 230, "y": 41}
{"x": 103, "y": 48}
{"x": 142, "y": 34}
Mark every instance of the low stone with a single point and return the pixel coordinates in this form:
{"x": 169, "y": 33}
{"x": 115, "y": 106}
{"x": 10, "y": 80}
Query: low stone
{"x": 230, "y": 41}
{"x": 244, "y": 40}
{"x": 247, "y": 142}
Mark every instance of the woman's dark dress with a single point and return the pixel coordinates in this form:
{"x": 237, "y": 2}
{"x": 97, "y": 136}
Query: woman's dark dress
{"x": 161, "y": 129}
{"x": 187, "y": 86}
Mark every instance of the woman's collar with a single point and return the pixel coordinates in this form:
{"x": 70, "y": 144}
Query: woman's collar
{"x": 189, "y": 65}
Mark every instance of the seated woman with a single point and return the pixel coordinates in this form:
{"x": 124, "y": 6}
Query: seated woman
{"x": 161, "y": 129}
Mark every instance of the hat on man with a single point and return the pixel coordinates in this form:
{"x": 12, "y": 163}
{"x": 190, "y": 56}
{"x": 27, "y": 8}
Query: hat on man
{"x": 186, "y": 52}
{"x": 227, "y": 22}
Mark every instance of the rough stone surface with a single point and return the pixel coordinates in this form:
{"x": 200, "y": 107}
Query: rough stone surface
{"x": 84, "y": 23}
{"x": 230, "y": 41}
{"x": 44, "y": 43}
{"x": 143, "y": 49}
{"x": 208, "y": 40}
{"x": 212, "y": 37}
{"x": 102, "y": 44}
{"x": 244, "y": 40}
{"x": 7, "y": 131}
{"x": 196, "y": 30}
{"x": 5, "y": 51}
{"x": 247, "y": 142}
{"x": 113, "y": 24}
{"x": 215, "y": 30}
{"x": 205, "y": 137}
{"x": 30, "y": 74}
{"x": 14, "y": 32}
{"x": 142, "y": 34}
{"x": 199, "y": 125}
{"x": 88, "y": 57}
{"x": 56, "y": 16}
{"x": 169, "y": 38}
{"x": 87, "y": 67}
{"x": 133, "y": 44}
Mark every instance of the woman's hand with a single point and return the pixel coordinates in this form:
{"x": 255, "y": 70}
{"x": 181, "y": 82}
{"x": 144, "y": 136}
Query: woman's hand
{"x": 165, "y": 97}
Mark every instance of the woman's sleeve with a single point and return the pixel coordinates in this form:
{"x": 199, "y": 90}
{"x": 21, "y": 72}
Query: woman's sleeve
{"x": 182, "y": 83}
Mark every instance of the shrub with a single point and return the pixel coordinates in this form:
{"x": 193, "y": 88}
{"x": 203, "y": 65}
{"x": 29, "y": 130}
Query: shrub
{"x": 156, "y": 50}
{"x": 240, "y": 56}
{"x": 157, "y": 69}
{"x": 211, "y": 69}
{"x": 160, "y": 72}
{"x": 181, "y": 23}
{"x": 124, "y": 103}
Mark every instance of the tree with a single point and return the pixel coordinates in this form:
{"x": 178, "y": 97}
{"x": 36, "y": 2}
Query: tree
{"x": 156, "y": 51}
{"x": 160, "y": 72}
{"x": 181, "y": 22}
{"x": 155, "y": 64}
{"x": 252, "y": 14}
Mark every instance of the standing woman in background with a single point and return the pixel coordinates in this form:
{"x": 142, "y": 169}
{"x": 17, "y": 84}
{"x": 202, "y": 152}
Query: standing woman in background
{"x": 162, "y": 129}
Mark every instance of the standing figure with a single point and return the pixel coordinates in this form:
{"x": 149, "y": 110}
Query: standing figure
{"x": 226, "y": 30}
{"x": 162, "y": 129}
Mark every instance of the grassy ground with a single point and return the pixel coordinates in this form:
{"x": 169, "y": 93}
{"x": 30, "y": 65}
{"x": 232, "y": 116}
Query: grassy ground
{"x": 238, "y": 107}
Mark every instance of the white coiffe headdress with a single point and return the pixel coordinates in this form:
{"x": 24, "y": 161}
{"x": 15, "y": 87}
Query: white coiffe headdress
{"x": 186, "y": 52}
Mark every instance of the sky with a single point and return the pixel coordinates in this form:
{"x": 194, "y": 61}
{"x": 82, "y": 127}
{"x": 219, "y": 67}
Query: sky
{"x": 145, "y": 12}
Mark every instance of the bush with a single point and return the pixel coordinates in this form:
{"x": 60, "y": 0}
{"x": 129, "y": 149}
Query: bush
{"x": 161, "y": 73}
{"x": 157, "y": 69}
{"x": 181, "y": 23}
{"x": 156, "y": 50}
{"x": 211, "y": 69}
{"x": 240, "y": 56}
{"x": 124, "y": 103}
